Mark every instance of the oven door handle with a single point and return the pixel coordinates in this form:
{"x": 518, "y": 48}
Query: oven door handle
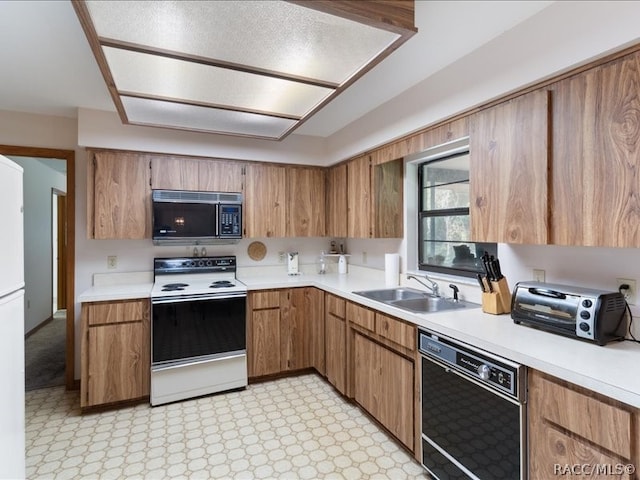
{"x": 195, "y": 298}
{"x": 450, "y": 369}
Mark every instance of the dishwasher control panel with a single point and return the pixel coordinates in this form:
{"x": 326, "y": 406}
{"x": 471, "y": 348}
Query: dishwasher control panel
{"x": 498, "y": 373}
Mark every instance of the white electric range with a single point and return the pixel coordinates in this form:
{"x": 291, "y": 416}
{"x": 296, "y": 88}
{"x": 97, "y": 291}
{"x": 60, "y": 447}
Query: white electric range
{"x": 198, "y": 328}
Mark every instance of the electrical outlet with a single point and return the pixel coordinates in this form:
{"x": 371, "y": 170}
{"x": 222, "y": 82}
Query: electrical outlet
{"x": 112, "y": 262}
{"x": 364, "y": 258}
{"x": 281, "y": 257}
{"x": 630, "y": 294}
{"x": 538, "y": 275}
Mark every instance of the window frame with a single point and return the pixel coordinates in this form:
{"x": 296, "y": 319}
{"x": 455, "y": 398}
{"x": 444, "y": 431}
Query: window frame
{"x": 491, "y": 248}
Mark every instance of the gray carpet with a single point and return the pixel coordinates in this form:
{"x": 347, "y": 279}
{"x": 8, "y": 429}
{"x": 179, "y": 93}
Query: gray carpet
{"x": 44, "y": 353}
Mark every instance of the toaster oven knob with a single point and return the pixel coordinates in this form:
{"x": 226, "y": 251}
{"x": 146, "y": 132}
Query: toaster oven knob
{"x": 584, "y": 326}
{"x": 585, "y": 315}
{"x": 587, "y": 303}
{"x": 484, "y": 372}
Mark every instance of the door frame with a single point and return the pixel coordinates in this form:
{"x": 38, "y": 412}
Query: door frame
{"x": 69, "y": 156}
{"x": 61, "y": 252}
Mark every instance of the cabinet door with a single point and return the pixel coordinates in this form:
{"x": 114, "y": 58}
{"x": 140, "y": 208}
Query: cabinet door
{"x": 596, "y": 187}
{"x": 359, "y": 198}
{"x": 118, "y": 363}
{"x": 386, "y": 208}
{"x": 337, "y": 201}
{"x": 569, "y": 425}
{"x": 265, "y": 201}
{"x": 119, "y": 196}
{"x": 174, "y": 173}
{"x": 383, "y": 385}
{"x": 294, "y": 329}
{"x": 306, "y": 202}
{"x": 509, "y": 159}
{"x": 336, "y": 351}
{"x": 263, "y": 353}
{"x": 220, "y": 176}
{"x": 314, "y": 311}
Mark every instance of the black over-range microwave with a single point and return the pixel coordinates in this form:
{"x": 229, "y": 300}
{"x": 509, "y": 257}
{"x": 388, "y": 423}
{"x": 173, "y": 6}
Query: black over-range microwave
{"x": 196, "y": 218}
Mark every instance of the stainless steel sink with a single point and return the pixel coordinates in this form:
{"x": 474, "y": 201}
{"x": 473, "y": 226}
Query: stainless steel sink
{"x": 428, "y": 304}
{"x": 391, "y": 294}
{"x": 415, "y": 301}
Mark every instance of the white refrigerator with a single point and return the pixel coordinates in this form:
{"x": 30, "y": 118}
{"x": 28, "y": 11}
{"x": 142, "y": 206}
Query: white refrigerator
{"x": 12, "y": 422}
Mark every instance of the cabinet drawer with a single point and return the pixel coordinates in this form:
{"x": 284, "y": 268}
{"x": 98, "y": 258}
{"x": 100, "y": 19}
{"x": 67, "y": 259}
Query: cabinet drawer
{"x": 361, "y": 316}
{"x": 265, "y": 299}
{"x": 606, "y": 425}
{"x": 116, "y": 312}
{"x": 396, "y": 331}
{"x": 336, "y": 305}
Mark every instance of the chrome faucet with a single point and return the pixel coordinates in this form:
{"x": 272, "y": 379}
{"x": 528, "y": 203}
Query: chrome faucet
{"x": 433, "y": 287}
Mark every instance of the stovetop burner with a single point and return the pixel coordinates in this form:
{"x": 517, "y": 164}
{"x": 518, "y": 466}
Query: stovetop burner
{"x": 172, "y": 287}
{"x": 221, "y": 284}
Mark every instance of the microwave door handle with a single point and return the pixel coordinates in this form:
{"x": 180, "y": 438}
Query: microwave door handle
{"x": 547, "y": 293}
{"x": 217, "y": 219}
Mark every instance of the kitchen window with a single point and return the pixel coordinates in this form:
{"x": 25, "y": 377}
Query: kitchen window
{"x": 444, "y": 243}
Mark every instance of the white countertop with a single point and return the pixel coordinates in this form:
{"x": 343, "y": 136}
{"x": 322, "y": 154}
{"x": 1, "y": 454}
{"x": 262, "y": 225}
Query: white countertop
{"x": 610, "y": 370}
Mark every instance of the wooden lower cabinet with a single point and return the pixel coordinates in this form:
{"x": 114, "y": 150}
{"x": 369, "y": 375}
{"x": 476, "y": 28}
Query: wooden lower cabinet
{"x": 115, "y": 352}
{"x": 264, "y": 347}
{"x": 384, "y": 386}
{"x": 569, "y": 425}
{"x": 285, "y": 331}
{"x": 336, "y": 342}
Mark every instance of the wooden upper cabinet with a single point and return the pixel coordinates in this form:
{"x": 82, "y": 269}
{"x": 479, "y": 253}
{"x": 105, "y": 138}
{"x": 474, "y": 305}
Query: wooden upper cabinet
{"x": 374, "y": 198}
{"x": 118, "y": 196}
{"x": 174, "y": 173}
{"x": 265, "y": 200}
{"x": 387, "y": 209}
{"x": 221, "y": 176}
{"x": 359, "y": 198}
{"x": 509, "y": 160}
{"x": 183, "y": 173}
{"x": 595, "y": 181}
{"x": 306, "y": 202}
{"x": 336, "y": 216}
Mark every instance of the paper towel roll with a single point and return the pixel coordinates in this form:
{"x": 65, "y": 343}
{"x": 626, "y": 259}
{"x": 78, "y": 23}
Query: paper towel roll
{"x": 391, "y": 269}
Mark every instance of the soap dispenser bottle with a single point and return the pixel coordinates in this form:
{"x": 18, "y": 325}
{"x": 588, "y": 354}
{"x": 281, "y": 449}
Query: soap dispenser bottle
{"x": 342, "y": 264}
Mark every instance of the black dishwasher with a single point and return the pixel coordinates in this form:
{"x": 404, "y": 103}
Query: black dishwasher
{"x": 473, "y": 412}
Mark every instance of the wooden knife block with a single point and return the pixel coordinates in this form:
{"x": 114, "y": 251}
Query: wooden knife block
{"x": 498, "y": 301}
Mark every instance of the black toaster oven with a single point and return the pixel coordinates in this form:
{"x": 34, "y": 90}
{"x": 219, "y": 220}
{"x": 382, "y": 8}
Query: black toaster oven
{"x": 588, "y": 314}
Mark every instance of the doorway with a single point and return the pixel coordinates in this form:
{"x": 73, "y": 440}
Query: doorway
{"x": 67, "y": 259}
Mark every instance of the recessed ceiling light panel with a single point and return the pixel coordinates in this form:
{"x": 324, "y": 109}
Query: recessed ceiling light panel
{"x": 142, "y": 111}
{"x": 261, "y": 67}
{"x": 158, "y": 76}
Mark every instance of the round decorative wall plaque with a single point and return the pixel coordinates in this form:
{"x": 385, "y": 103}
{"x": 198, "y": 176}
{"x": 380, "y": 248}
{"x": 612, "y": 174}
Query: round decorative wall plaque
{"x": 257, "y": 251}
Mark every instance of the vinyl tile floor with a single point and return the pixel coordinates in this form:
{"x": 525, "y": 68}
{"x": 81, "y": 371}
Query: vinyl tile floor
{"x": 292, "y": 428}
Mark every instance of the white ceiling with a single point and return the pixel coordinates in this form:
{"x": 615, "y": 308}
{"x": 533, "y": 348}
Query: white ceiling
{"x": 48, "y": 67}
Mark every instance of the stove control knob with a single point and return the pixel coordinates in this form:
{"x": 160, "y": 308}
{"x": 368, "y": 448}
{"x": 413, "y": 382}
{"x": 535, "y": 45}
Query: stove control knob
{"x": 484, "y": 372}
